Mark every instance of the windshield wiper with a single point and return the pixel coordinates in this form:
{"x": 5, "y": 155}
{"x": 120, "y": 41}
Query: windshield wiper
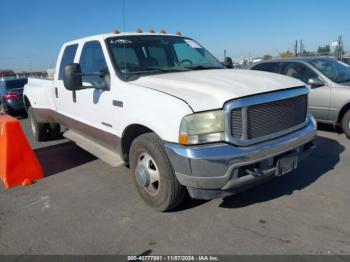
{"x": 154, "y": 70}
{"x": 168, "y": 69}
{"x": 202, "y": 67}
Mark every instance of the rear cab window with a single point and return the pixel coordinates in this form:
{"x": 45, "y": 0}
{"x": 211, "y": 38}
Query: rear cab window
{"x": 67, "y": 58}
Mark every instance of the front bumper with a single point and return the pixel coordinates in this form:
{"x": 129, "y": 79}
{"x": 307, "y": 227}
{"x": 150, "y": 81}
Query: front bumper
{"x": 216, "y": 170}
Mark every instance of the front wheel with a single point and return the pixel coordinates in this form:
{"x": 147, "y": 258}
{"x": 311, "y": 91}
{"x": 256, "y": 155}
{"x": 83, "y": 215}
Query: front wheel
{"x": 345, "y": 124}
{"x": 153, "y": 174}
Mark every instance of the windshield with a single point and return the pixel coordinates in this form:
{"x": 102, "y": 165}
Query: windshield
{"x": 18, "y": 83}
{"x": 148, "y": 54}
{"x": 337, "y": 71}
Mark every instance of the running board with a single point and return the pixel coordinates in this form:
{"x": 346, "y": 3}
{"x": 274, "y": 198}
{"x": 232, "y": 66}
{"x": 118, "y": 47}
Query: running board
{"x": 93, "y": 147}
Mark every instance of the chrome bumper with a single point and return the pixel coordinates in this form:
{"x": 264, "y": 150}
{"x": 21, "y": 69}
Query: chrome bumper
{"x": 211, "y": 171}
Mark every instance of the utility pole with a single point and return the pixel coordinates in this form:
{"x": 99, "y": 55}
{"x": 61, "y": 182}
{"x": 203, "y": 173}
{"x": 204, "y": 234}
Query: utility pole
{"x": 296, "y": 48}
{"x": 340, "y": 47}
{"x": 224, "y": 53}
{"x": 301, "y": 48}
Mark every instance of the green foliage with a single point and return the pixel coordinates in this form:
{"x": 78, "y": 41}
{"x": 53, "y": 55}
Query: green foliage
{"x": 324, "y": 50}
{"x": 286, "y": 54}
{"x": 267, "y": 57}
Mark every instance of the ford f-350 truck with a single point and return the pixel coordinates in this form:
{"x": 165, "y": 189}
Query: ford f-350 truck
{"x": 176, "y": 116}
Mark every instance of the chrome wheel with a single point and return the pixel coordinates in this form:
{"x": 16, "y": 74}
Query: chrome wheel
{"x": 147, "y": 173}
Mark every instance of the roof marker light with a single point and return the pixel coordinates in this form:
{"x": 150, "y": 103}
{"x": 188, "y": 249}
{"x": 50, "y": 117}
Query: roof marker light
{"x": 152, "y": 31}
{"x": 162, "y": 31}
{"x": 178, "y": 33}
{"x": 139, "y": 30}
{"x": 116, "y": 31}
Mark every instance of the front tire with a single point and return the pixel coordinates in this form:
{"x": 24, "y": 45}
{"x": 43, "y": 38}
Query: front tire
{"x": 345, "y": 124}
{"x": 153, "y": 174}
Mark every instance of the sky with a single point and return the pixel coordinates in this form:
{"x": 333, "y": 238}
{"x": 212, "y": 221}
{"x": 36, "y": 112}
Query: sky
{"x": 32, "y": 32}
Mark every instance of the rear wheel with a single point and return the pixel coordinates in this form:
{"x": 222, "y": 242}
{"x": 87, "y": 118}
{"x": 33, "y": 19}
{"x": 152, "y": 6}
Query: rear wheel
{"x": 153, "y": 174}
{"x": 55, "y": 131}
{"x": 345, "y": 124}
{"x": 40, "y": 131}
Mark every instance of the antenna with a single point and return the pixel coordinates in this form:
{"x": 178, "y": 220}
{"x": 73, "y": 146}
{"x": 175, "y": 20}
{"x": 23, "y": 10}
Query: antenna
{"x": 124, "y": 44}
{"x": 124, "y": 16}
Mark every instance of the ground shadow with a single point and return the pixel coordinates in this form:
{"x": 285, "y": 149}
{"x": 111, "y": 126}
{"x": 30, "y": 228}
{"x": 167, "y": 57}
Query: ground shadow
{"x": 324, "y": 158}
{"x": 188, "y": 203}
{"x": 329, "y": 128}
{"x": 58, "y": 158}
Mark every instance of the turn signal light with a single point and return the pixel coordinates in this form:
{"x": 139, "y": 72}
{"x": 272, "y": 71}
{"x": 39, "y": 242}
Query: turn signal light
{"x": 183, "y": 139}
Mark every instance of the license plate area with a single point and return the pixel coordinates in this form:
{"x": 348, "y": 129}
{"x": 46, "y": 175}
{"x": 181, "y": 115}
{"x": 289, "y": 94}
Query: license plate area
{"x": 286, "y": 164}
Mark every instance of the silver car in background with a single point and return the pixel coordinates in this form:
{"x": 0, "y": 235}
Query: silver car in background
{"x": 329, "y": 81}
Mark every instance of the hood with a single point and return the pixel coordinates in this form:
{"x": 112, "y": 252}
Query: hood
{"x": 210, "y": 89}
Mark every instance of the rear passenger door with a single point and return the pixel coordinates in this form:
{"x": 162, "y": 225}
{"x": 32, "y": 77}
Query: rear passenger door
{"x": 319, "y": 97}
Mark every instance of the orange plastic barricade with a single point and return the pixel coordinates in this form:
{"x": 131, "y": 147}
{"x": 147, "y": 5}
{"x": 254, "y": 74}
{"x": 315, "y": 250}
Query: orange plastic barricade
{"x": 18, "y": 163}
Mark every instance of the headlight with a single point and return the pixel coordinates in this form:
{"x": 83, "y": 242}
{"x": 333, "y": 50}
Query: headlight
{"x": 202, "y": 128}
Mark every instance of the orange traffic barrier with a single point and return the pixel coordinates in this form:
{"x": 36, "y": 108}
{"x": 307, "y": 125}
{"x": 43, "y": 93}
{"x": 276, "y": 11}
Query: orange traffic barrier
{"x": 18, "y": 163}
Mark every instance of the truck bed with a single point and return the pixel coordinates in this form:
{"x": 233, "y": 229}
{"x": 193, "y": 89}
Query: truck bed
{"x": 41, "y": 93}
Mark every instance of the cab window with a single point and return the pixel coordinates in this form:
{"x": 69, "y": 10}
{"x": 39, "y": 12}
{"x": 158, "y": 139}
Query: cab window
{"x": 267, "y": 67}
{"x": 298, "y": 71}
{"x": 92, "y": 60}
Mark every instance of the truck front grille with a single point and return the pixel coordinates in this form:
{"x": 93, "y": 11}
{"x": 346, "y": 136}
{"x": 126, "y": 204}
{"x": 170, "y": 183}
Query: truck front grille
{"x": 268, "y": 119}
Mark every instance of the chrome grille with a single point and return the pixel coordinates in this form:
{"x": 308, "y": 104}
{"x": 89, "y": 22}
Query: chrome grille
{"x": 237, "y": 123}
{"x": 266, "y": 120}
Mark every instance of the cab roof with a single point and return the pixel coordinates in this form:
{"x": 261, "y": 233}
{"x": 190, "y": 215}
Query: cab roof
{"x": 102, "y": 37}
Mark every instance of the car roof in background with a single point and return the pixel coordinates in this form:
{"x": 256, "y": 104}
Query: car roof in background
{"x": 301, "y": 58}
{"x": 13, "y": 79}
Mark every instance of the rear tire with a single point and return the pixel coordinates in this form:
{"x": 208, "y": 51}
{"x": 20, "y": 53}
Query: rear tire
{"x": 153, "y": 174}
{"x": 6, "y": 109}
{"x": 40, "y": 131}
{"x": 55, "y": 131}
{"x": 345, "y": 124}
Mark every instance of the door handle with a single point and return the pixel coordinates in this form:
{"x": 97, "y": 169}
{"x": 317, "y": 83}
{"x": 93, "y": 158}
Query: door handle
{"x": 56, "y": 92}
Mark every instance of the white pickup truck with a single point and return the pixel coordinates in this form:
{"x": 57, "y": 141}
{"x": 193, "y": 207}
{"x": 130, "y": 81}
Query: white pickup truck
{"x": 176, "y": 116}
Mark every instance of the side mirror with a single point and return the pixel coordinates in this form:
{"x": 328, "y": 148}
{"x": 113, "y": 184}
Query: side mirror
{"x": 72, "y": 78}
{"x": 315, "y": 82}
{"x": 228, "y": 62}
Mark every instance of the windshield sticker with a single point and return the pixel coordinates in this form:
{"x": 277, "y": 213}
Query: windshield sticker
{"x": 120, "y": 41}
{"x": 192, "y": 43}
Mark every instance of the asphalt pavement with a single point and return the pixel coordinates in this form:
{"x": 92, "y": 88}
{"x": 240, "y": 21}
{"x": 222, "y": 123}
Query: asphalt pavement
{"x": 84, "y": 206}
